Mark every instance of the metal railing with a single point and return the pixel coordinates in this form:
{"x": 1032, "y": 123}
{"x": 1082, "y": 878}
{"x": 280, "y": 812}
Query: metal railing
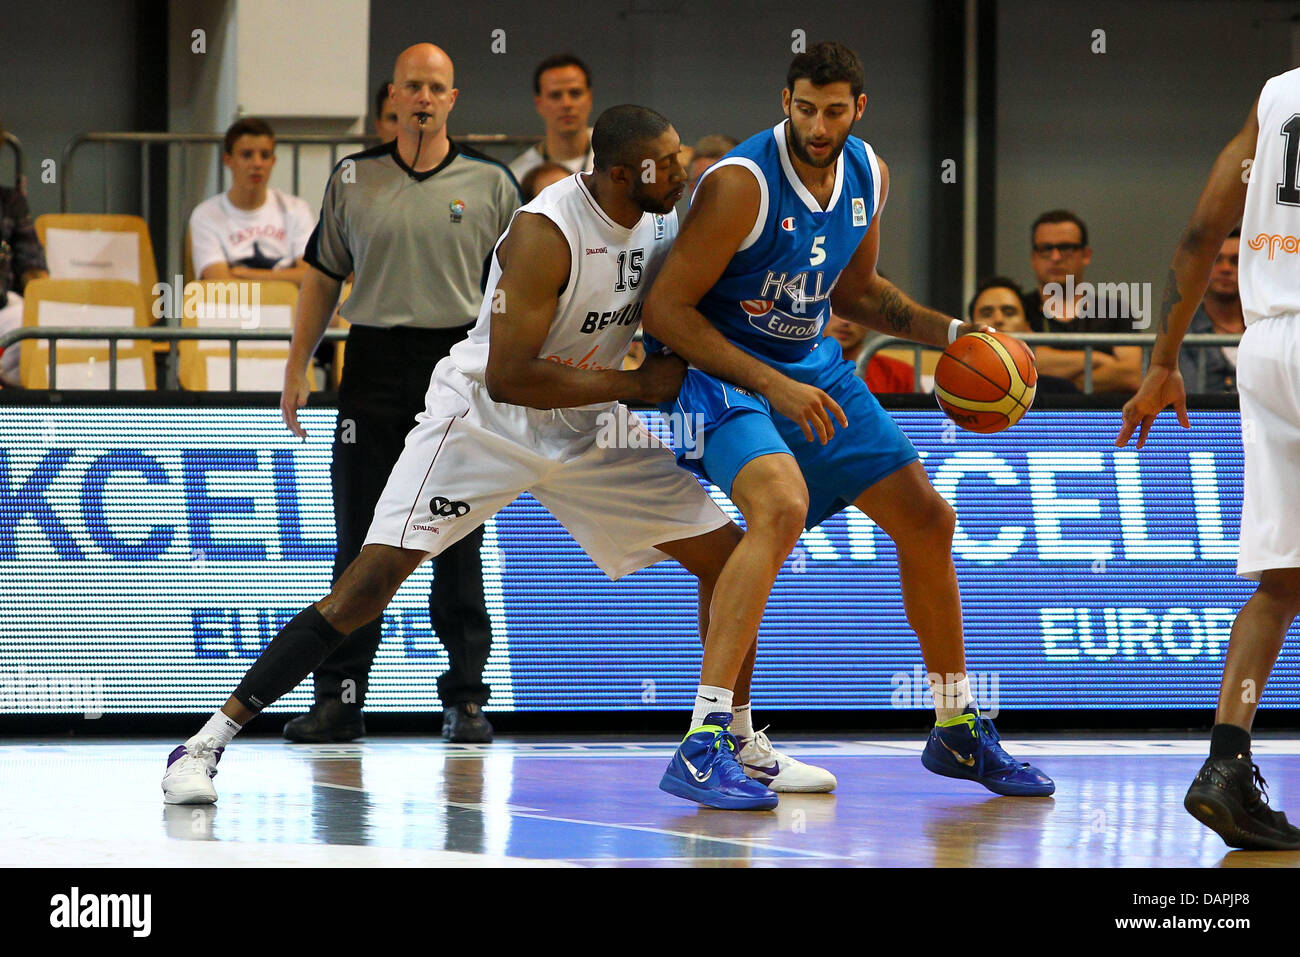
{"x": 1088, "y": 342}
{"x": 155, "y": 333}
{"x": 15, "y": 144}
{"x": 295, "y": 141}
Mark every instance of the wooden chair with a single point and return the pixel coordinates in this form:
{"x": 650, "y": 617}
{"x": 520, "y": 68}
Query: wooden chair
{"x": 236, "y": 304}
{"x": 98, "y": 246}
{"x": 81, "y": 363}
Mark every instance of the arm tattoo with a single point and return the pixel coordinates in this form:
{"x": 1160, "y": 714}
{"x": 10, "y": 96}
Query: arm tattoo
{"x": 1171, "y": 299}
{"x": 896, "y": 312}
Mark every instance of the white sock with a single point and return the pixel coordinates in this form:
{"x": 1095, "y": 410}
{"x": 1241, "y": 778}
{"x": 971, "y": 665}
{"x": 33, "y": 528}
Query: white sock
{"x": 220, "y": 727}
{"x": 709, "y": 700}
{"x": 742, "y": 721}
{"x": 951, "y": 698}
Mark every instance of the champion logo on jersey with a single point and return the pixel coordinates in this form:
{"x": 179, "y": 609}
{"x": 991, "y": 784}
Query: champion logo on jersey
{"x": 457, "y": 207}
{"x": 788, "y": 224}
{"x": 659, "y": 226}
{"x": 859, "y": 211}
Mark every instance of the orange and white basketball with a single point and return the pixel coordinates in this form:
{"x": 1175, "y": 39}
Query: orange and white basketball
{"x": 986, "y": 381}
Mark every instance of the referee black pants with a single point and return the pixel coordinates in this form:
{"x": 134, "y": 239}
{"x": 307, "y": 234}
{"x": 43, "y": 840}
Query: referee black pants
{"x": 385, "y": 377}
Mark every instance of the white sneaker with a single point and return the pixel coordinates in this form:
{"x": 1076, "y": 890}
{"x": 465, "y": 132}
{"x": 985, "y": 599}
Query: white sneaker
{"x": 780, "y": 772}
{"x": 190, "y": 770}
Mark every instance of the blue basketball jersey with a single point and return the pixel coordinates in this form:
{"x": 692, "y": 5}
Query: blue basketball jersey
{"x": 773, "y": 299}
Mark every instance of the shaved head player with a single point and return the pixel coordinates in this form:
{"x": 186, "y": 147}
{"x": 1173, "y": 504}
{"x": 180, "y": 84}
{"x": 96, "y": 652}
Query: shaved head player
{"x": 519, "y": 406}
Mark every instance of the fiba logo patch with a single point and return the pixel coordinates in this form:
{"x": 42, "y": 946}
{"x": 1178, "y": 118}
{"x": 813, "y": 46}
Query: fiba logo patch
{"x": 859, "y": 211}
{"x": 659, "y": 226}
{"x": 457, "y": 207}
{"x": 446, "y": 508}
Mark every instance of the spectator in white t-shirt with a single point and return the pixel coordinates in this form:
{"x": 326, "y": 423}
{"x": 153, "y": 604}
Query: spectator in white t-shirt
{"x": 250, "y": 231}
{"x": 562, "y": 95}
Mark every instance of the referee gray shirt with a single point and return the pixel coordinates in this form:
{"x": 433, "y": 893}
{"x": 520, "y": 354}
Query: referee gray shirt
{"x": 417, "y": 242}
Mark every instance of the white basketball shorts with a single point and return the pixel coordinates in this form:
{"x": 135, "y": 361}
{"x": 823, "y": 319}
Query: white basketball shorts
{"x": 469, "y": 457}
{"x": 1268, "y": 380}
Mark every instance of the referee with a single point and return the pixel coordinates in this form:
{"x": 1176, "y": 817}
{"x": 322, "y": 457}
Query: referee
{"x": 414, "y": 220}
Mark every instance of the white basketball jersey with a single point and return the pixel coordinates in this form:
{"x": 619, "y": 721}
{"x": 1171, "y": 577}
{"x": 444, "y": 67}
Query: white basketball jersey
{"x": 611, "y": 269}
{"x": 1269, "y": 261}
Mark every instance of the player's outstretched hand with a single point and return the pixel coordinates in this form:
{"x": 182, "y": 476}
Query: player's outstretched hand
{"x": 293, "y": 398}
{"x": 660, "y": 377}
{"x": 1161, "y": 388}
{"x": 808, "y": 407}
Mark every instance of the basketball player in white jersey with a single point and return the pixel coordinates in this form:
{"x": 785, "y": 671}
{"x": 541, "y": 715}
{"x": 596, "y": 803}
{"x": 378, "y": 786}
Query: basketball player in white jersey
{"x": 519, "y": 406}
{"x": 1226, "y": 795}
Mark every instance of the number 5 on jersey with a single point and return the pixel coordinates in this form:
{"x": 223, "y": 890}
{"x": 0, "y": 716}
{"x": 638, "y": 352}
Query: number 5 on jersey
{"x": 818, "y": 254}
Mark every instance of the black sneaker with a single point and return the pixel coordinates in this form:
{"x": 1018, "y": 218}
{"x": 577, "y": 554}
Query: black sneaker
{"x": 466, "y": 724}
{"x": 1228, "y": 798}
{"x": 329, "y": 720}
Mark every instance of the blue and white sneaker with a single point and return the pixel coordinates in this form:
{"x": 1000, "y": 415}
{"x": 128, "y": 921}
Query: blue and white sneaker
{"x": 190, "y": 770}
{"x": 705, "y": 770}
{"x": 967, "y": 747}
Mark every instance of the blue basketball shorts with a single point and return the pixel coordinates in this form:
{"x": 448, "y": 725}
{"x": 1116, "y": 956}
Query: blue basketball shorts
{"x": 728, "y": 427}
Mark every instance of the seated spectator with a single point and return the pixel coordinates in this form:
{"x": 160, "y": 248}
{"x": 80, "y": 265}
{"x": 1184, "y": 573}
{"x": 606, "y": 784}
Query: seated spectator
{"x": 21, "y": 261}
{"x": 385, "y": 115}
{"x": 250, "y": 231}
{"x": 540, "y": 177}
{"x": 1060, "y": 253}
{"x": 882, "y": 374}
{"x": 1219, "y": 312}
{"x": 562, "y": 95}
{"x": 707, "y": 151}
{"x": 999, "y": 302}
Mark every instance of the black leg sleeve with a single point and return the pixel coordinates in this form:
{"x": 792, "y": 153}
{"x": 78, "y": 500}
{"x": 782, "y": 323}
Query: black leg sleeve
{"x": 299, "y": 647}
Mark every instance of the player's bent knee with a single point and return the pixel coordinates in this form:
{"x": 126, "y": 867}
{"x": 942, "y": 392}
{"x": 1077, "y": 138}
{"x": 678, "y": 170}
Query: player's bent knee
{"x": 366, "y": 587}
{"x": 932, "y": 523}
{"x": 782, "y": 516}
{"x": 1282, "y": 585}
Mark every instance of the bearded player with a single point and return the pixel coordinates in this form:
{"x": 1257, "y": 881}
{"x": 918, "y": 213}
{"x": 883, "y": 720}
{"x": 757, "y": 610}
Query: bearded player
{"x": 781, "y": 231}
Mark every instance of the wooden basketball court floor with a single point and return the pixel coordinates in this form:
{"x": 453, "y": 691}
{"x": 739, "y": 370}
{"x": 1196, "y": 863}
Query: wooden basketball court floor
{"x": 593, "y": 802}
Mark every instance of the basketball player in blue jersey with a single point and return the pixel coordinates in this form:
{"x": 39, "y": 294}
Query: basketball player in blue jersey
{"x": 781, "y": 231}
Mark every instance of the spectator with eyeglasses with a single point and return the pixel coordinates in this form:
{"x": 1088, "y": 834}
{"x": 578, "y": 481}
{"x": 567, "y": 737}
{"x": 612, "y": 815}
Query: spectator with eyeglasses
{"x": 1060, "y": 252}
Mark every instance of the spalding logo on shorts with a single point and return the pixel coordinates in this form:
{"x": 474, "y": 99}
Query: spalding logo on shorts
{"x": 446, "y": 508}
{"x": 765, "y": 317}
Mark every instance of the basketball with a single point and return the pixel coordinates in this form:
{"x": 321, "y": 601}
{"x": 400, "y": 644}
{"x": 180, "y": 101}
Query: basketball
{"x": 986, "y": 381}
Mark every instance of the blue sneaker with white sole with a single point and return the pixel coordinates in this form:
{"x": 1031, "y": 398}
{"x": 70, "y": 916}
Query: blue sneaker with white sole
{"x": 705, "y": 769}
{"x": 967, "y": 747}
